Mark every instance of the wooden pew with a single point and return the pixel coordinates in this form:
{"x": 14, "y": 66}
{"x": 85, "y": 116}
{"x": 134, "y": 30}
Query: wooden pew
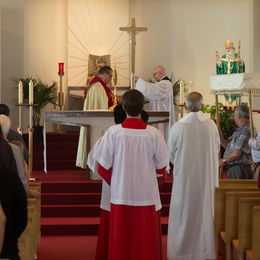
{"x": 232, "y": 217}
{"x": 220, "y": 206}
{"x": 24, "y": 242}
{"x": 29, "y": 239}
{"x": 237, "y": 182}
{"x": 37, "y": 186}
{"x": 244, "y": 241}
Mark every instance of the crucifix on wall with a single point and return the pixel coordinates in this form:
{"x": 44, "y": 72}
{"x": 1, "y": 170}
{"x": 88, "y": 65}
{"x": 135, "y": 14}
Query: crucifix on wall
{"x": 132, "y": 30}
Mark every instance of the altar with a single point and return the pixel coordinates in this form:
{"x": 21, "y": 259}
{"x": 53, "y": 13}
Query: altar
{"x": 96, "y": 122}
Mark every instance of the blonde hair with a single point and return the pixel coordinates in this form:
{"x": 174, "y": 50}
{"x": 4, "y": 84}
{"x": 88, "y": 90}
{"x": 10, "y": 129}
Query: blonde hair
{"x": 5, "y": 123}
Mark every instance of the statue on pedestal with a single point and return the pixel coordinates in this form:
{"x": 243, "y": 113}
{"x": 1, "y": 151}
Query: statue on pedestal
{"x": 230, "y": 63}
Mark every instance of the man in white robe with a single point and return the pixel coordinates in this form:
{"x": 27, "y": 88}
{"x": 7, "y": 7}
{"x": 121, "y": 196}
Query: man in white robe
{"x": 194, "y": 144}
{"x": 160, "y": 95}
{"x": 98, "y": 96}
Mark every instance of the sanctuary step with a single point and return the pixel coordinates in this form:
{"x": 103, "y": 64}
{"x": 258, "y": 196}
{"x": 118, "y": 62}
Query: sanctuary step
{"x": 61, "y": 151}
{"x": 70, "y": 204}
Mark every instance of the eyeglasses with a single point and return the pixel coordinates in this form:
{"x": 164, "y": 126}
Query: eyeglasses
{"x": 155, "y": 73}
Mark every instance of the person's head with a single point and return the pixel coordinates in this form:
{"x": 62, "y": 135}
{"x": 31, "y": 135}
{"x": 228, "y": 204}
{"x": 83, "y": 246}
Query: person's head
{"x": 105, "y": 73}
{"x": 159, "y": 72}
{"x": 4, "y": 110}
{"x": 5, "y": 124}
{"x": 133, "y": 102}
{"x": 229, "y": 46}
{"x": 194, "y": 101}
{"x": 241, "y": 115}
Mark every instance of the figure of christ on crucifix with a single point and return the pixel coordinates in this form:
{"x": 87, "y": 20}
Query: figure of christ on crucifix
{"x": 132, "y": 30}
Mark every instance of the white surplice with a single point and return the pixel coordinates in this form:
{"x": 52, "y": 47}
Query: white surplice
{"x": 194, "y": 145}
{"x": 160, "y": 95}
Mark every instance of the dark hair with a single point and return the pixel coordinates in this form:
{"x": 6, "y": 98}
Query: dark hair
{"x": 7, "y": 160}
{"x": 104, "y": 69}
{"x": 133, "y": 102}
{"x": 4, "y": 110}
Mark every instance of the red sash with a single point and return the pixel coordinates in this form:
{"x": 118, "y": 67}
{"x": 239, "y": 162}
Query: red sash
{"x": 106, "y": 88}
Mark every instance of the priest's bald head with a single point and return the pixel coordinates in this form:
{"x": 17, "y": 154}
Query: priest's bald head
{"x": 159, "y": 72}
{"x": 194, "y": 101}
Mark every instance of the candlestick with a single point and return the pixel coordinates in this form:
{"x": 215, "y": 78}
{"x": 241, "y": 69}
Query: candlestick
{"x": 20, "y": 92}
{"x": 31, "y": 92}
{"x": 181, "y": 92}
{"x": 189, "y": 86}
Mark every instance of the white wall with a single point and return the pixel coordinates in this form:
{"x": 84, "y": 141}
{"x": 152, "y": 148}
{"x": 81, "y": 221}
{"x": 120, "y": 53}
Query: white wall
{"x": 12, "y": 35}
{"x": 199, "y": 28}
{"x": 154, "y": 46}
{"x": 182, "y": 35}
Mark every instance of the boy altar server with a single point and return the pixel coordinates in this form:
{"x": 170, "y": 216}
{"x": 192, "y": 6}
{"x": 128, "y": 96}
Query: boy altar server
{"x": 128, "y": 157}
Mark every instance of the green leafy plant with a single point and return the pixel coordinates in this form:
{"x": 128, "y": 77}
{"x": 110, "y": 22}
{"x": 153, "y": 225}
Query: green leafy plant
{"x": 227, "y": 123}
{"x": 44, "y": 94}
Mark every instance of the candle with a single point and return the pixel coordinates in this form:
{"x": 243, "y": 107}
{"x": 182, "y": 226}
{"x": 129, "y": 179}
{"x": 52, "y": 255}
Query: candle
{"x": 20, "y": 92}
{"x": 61, "y": 68}
{"x": 189, "y": 86}
{"x": 181, "y": 92}
{"x": 31, "y": 92}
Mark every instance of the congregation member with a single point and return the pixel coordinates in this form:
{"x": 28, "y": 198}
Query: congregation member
{"x": 160, "y": 96}
{"x": 194, "y": 145}
{"x": 98, "y": 96}
{"x": 254, "y": 144}
{"x": 5, "y": 124}
{"x": 13, "y": 201}
{"x": 237, "y": 156}
{"x": 12, "y": 134}
{"x": 128, "y": 157}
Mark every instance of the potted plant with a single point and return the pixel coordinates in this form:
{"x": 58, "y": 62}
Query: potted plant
{"x": 44, "y": 94}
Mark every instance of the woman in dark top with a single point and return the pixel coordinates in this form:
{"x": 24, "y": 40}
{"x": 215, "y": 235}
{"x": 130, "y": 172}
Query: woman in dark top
{"x": 13, "y": 201}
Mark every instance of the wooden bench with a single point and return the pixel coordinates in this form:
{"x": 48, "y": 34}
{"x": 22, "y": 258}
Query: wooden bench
{"x": 244, "y": 241}
{"x": 220, "y": 206}
{"x": 237, "y": 182}
{"x": 28, "y": 241}
{"x": 231, "y": 217}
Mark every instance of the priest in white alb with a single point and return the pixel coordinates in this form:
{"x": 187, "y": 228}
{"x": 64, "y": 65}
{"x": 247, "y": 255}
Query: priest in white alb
{"x": 194, "y": 145}
{"x": 160, "y": 96}
{"x": 128, "y": 157}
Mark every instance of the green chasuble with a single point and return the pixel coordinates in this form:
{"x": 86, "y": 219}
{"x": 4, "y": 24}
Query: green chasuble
{"x": 229, "y": 67}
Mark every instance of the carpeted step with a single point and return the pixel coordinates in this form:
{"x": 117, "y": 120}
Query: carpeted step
{"x": 53, "y": 155}
{"x": 70, "y": 211}
{"x": 70, "y": 198}
{"x": 69, "y": 226}
{"x": 81, "y": 210}
{"x": 78, "y": 226}
{"x": 56, "y": 165}
{"x": 71, "y": 187}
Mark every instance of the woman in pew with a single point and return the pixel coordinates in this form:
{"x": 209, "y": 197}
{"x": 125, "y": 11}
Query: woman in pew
{"x": 13, "y": 202}
{"x": 5, "y": 123}
{"x": 254, "y": 144}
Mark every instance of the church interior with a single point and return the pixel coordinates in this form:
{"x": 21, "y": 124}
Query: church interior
{"x": 183, "y": 36}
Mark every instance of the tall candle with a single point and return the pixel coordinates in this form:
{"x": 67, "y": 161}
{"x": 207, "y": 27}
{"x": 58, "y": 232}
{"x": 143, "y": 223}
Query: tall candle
{"x": 181, "y": 92}
{"x": 20, "y": 92}
{"x": 31, "y": 92}
{"x": 189, "y": 86}
{"x": 61, "y": 68}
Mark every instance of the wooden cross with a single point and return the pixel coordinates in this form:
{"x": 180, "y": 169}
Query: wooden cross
{"x": 133, "y": 30}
